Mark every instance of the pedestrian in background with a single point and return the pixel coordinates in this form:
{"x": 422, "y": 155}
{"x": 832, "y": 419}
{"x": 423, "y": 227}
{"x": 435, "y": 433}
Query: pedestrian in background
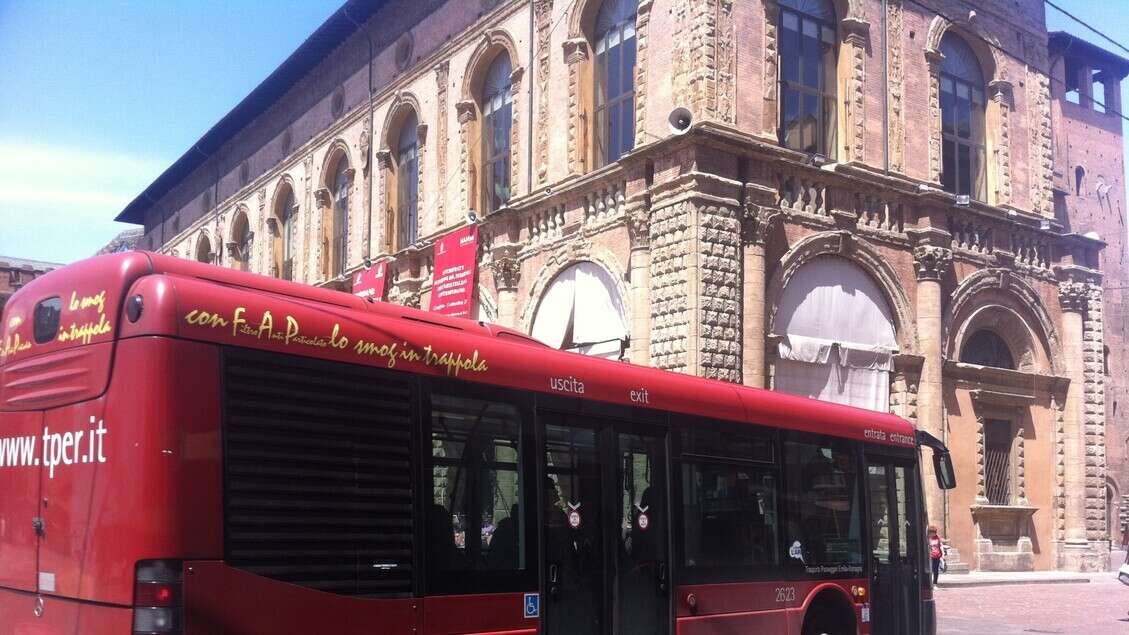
{"x": 935, "y": 552}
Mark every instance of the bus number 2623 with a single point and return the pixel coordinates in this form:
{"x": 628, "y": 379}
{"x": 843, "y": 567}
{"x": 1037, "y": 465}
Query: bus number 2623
{"x": 785, "y": 594}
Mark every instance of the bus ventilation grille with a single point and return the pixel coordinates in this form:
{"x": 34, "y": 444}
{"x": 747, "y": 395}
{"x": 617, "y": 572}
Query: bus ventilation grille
{"x": 317, "y": 485}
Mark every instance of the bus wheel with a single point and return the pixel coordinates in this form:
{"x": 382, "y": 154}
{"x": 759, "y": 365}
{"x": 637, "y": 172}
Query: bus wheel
{"x": 829, "y": 615}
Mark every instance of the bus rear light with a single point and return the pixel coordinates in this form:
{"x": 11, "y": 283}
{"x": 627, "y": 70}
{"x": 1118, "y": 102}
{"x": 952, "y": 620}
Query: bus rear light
{"x": 858, "y": 592}
{"x": 157, "y": 598}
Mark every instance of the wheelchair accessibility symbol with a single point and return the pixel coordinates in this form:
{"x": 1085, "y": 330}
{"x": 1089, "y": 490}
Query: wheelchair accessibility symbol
{"x": 532, "y": 605}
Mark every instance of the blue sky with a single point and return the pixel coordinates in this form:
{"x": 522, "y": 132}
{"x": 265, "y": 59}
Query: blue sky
{"x": 97, "y": 98}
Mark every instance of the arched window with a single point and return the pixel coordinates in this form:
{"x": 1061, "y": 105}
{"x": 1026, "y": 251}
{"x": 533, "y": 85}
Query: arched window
{"x": 407, "y": 180}
{"x": 339, "y": 238}
{"x": 240, "y": 246}
{"x": 962, "y": 120}
{"x": 986, "y": 348}
{"x": 808, "y": 53}
{"x": 204, "y": 249}
{"x": 837, "y": 336}
{"x": 287, "y": 215}
{"x": 497, "y": 121}
{"x": 615, "y": 80}
{"x": 582, "y": 311}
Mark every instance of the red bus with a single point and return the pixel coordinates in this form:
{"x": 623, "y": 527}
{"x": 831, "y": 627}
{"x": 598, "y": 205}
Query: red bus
{"x": 190, "y": 449}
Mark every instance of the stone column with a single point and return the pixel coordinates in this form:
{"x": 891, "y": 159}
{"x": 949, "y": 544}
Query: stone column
{"x": 932, "y": 259}
{"x": 639, "y": 232}
{"x": 468, "y": 177}
{"x": 756, "y": 223}
{"x": 1072, "y": 297}
{"x": 507, "y": 272}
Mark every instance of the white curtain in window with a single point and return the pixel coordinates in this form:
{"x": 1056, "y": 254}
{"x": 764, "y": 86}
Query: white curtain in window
{"x": 838, "y": 336}
{"x": 582, "y": 310}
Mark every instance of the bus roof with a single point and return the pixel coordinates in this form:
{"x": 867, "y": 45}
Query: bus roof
{"x": 197, "y": 301}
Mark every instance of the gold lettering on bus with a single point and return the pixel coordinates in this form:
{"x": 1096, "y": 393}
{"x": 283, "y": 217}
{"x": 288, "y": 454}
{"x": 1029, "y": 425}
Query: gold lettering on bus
{"x": 237, "y": 320}
{"x": 85, "y": 302}
{"x": 85, "y": 332}
{"x": 204, "y": 318}
{"x": 266, "y": 324}
{"x": 335, "y": 341}
{"x": 12, "y": 345}
{"x": 291, "y": 329}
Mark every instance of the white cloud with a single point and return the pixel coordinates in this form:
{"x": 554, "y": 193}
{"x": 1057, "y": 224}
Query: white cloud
{"x": 58, "y": 203}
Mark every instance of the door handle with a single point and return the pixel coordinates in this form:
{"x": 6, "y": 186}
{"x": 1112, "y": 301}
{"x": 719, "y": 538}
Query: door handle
{"x": 39, "y": 526}
{"x": 660, "y": 577}
{"x": 554, "y": 579}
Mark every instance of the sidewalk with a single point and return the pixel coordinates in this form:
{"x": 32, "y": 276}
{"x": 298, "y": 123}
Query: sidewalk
{"x": 993, "y": 578}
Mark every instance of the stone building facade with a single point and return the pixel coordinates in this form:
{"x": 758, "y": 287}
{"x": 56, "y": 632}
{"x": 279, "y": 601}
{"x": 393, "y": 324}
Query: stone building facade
{"x": 16, "y": 272}
{"x": 878, "y": 209}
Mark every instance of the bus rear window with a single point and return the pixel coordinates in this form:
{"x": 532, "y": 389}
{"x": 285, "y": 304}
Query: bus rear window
{"x": 46, "y": 321}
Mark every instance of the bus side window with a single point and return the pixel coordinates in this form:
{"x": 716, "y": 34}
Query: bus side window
{"x": 476, "y": 517}
{"x": 730, "y": 523}
{"x": 45, "y": 324}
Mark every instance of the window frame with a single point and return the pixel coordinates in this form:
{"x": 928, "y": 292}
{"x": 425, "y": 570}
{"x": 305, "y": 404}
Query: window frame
{"x": 342, "y": 183}
{"x": 492, "y": 156}
{"x": 287, "y": 228}
{"x": 407, "y": 189}
{"x": 602, "y": 124}
{"x": 478, "y": 581}
{"x": 827, "y": 123}
{"x": 976, "y": 141}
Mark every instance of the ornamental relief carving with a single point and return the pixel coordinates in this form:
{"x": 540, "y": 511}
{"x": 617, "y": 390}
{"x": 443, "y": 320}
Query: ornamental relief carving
{"x": 931, "y": 262}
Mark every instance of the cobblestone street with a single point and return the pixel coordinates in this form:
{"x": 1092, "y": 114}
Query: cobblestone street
{"x": 1100, "y": 607}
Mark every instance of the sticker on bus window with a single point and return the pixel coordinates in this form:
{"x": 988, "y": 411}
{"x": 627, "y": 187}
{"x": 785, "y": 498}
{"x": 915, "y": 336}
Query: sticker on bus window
{"x": 796, "y": 551}
{"x": 574, "y": 515}
{"x": 532, "y": 604}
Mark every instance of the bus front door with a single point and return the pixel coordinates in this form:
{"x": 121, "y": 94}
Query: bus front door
{"x": 895, "y": 537}
{"x": 606, "y": 529}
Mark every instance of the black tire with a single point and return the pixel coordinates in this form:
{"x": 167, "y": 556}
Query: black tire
{"x": 821, "y": 623}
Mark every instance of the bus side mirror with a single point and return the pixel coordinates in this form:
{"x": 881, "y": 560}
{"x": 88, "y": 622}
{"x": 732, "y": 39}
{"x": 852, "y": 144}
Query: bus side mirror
{"x": 943, "y": 469}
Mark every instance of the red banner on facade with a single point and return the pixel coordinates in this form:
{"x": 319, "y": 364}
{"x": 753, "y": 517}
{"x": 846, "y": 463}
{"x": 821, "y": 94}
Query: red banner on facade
{"x": 369, "y": 283}
{"x": 452, "y": 284}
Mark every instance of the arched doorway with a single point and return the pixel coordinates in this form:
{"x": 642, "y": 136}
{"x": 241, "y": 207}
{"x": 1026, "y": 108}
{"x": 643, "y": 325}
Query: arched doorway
{"x": 582, "y": 311}
{"x": 836, "y": 336}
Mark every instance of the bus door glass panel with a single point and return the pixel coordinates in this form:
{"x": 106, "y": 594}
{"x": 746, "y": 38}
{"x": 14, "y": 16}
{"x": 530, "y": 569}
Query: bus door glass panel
{"x": 573, "y": 539}
{"x": 823, "y": 534}
{"x": 476, "y": 522}
{"x": 642, "y": 576}
{"x": 894, "y": 545}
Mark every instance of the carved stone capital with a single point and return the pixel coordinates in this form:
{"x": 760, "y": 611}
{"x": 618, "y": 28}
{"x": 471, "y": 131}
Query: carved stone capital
{"x": 421, "y": 132}
{"x": 931, "y": 262}
{"x": 1073, "y": 295}
{"x": 1002, "y": 91}
{"x": 638, "y": 219}
{"x": 934, "y": 59}
{"x": 856, "y": 31}
{"x": 322, "y": 197}
{"x": 515, "y": 78}
{"x": 466, "y": 111}
{"x": 757, "y": 222}
{"x": 272, "y": 226}
{"x": 507, "y": 273}
{"x": 575, "y": 50}
{"x": 384, "y": 159}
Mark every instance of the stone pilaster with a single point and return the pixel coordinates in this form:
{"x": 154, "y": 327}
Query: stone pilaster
{"x": 576, "y": 57}
{"x": 506, "y": 268}
{"x": 543, "y": 13}
{"x": 695, "y": 277}
{"x": 856, "y": 39}
{"x": 384, "y": 223}
{"x": 467, "y": 114}
{"x": 896, "y": 84}
{"x": 759, "y": 217}
{"x": 638, "y": 217}
{"x": 934, "y": 60}
{"x": 932, "y": 262}
{"x": 442, "y": 77}
{"x": 1084, "y": 421}
{"x": 1003, "y": 101}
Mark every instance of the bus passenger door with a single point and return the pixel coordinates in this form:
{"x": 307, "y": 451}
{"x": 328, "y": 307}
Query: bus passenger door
{"x": 606, "y": 527}
{"x": 895, "y": 537}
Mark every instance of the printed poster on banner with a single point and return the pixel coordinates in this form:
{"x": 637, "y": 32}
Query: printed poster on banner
{"x": 452, "y": 287}
{"x": 369, "y": 283}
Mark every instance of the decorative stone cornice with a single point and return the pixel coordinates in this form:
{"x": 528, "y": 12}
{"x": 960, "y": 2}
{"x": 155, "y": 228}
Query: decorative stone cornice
{"x": 931, "y": 262}
{"x": 575, "y": 50}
